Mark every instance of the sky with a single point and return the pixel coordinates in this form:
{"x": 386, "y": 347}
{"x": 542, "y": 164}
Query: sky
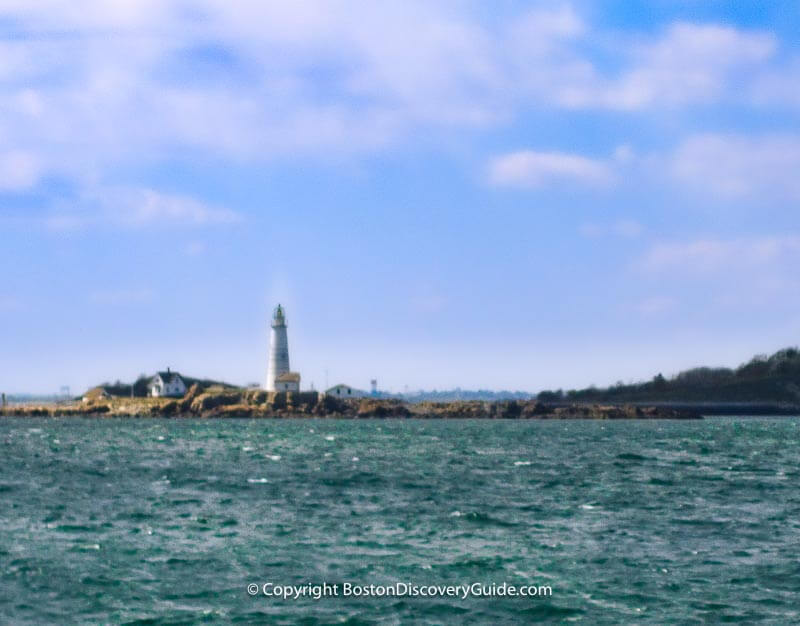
{"x": 505, "y": 195}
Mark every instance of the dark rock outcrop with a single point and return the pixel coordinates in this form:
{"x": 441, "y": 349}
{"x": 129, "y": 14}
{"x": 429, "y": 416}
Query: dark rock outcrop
{"x": 369, "y": 407}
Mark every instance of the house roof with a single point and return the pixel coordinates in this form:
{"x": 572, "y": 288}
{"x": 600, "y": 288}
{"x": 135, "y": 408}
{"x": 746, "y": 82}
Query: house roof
{"x": 340, "y": 386}
{"x": 167, "y": 377}
{"x": 288, "y": 377}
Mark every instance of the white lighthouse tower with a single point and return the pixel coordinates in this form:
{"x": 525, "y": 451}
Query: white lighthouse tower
{"x": 279, "y": 378}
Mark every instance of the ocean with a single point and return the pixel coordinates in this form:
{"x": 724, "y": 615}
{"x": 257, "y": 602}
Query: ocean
{"x": 158, "y": 521}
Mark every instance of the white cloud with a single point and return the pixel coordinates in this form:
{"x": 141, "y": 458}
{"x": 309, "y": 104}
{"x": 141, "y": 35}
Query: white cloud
{"x": 527, "y": 168}
{"x": 690, "y": 63}
{"x": 64, "y": 222}
{"x": 252, "y": 82}
{"x": 140, "y": 207}
{"x": 708, "y": 256}
{"x": 135, "y": 208}
{"x": 778, "y": 86}
{"x": 624, "y": 154}
{"x": 726, "y": 278}
{"x": 97, "y": 85}
{"x": 737, "y": 165}
{"x": 19, "y": 170}
{"x": 143, "y": 80}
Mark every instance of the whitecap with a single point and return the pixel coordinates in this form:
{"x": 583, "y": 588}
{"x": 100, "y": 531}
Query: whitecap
{"x": 518, "y": 463}
{"x": 455, "y": 514}
{"x": 588, "y": 506}
{"x": 328, "y": 454}
{"x": 355, "y": 458}
{"x": 274, "y": 457}
{"x": 257, "y": 480}
{"x": 247, "y": 449}
{"x": 160, "y": 437}
{"x": 330, "y": 438}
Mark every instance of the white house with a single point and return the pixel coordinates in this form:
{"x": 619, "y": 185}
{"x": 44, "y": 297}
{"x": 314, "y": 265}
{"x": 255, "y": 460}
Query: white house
{"x": 288, "y": 381}
{"x": 345, "y": 391}
{"x": 167, "y": 384}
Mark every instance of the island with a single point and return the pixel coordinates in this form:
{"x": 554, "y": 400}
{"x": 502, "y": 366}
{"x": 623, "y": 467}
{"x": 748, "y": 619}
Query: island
{"x": 217, "y": 401}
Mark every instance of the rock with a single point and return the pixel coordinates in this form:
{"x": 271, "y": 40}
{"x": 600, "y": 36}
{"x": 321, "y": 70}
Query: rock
{"x": 193, "y": 392}
{"x": 224, "y": 402}
{"x": 328, "y": 405}
{"x": 170, "y": 408}
{"x": 231, "y": 410}
{"x": 369, "y": 407}
{"x": 532, "y": 409}
{"x": 594, "y": 411}
{"x": 255, "y": 396}
{"x": 207, "y": 401}
{"x": 95, "y": 409}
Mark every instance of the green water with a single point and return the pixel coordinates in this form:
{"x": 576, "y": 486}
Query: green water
{"x": 168, "y": 521}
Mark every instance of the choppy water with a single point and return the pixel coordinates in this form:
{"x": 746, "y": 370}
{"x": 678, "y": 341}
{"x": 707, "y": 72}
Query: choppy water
{"x": 168, "y": 521}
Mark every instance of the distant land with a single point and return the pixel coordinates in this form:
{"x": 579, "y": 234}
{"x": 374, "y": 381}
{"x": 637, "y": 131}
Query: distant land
{"x": 220, "y": 402}
{"x": 460, "y": 395}
{"x": 763, "y": 379}
{"x": 765, "y": 384}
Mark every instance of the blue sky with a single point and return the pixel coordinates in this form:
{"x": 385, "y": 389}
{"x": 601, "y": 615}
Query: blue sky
{"x": 510, "y": 195}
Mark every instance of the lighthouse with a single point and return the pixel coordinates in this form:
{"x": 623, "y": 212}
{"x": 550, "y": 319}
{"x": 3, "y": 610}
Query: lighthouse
{"x": 279, "y": 378}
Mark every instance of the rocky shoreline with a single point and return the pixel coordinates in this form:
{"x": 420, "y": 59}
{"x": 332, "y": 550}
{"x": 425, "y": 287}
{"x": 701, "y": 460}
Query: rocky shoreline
{"x": 227, "y": 403}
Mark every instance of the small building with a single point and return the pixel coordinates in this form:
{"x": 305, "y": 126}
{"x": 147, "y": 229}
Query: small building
{"x": 344, "y": 391}
{"x": 288, "y": 381}
{"x": 167, "y": 384}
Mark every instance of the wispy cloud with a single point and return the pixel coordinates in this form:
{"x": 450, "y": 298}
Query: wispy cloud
{"x": 739, "y": 165}
{"x": 136, "y": 208}
{"x": 689, "y": 63}
{"x": 140, "y": 207}
{"x": 777, "y": 86}
{"x": 707, "y": 256}
{"x": 147, "y": 80}
{"x": 19, "y": 170}
{"x": 527, "y": 168}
